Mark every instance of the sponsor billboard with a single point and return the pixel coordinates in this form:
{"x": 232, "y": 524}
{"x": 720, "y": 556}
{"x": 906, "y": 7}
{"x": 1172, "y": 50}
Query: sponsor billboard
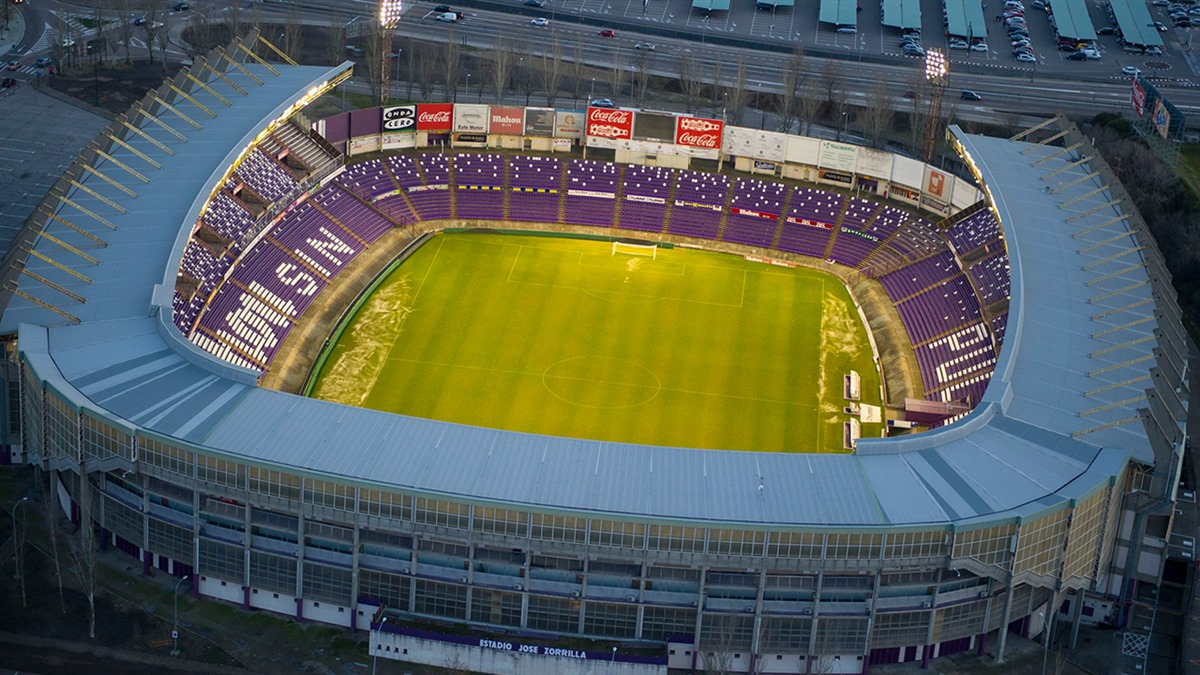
{"x": 698, "y": 132}
{"x": 539, "y": 121}
{"x": 935, "y": 184}
{"x": 654, "y": 127}
{"x": 839, "y": 156}
{"x": 470, "y": 118}
{"x": 508, "y": 121}
{"x": 435, "y": 117}
{"x": 610, "y": 123}
{"x": 400, "y": 118}
{"x": 569, "y": 124}
{"x": 1137, "y": 97}
{"x": 1162, "y": 118}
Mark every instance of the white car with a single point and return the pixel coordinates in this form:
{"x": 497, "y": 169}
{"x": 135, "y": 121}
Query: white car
{"x": 1026, "y": 58}
{"x": 541, "y": 21}
{"x": 959, "y": 44}
{"x": 648, "y": 46}
{"x": 1130, "y": 70}
{"x": 979, "y": 47}
{"x": 1090, "y": 54}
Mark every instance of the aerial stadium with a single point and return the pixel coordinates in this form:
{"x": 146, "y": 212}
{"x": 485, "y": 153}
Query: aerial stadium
{"x": 1005, "y": 448}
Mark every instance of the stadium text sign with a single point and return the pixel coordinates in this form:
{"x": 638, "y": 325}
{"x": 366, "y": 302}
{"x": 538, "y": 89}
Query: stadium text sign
{"x": 698, "y": 133}
{"x": 609, "y": 123}
{"x": 435, "y": 116}
{"x": 1137, "y": 97}
{"x": 509, "y": 121}
{"x": 532, "y": 649}
{"x": 400, "y": 118}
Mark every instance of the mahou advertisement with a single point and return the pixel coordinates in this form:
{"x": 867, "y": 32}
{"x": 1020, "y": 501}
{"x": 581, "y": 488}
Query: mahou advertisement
{"x": 435, "y": 117}
{"x": 698, "y": 133}
{"x": 510, "y": 121}
{"x": 609, "y": 123}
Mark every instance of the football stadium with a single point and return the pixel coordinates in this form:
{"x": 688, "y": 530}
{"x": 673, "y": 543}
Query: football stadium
{"x": 615, "y": 390}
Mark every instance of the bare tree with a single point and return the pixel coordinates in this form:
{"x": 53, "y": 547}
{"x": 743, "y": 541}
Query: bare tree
{"x": 716, "y": 92}
{"x": 234, "y": 18}
{"x": 335, "y": 46}
{"x": 579, "y": 74}
{"x": 50, "y": 515}
{"x": 200, "y": 35}
{"x": 551, "y": 71}
{"x": 504, "y": 64}
{"x": 85, "y": 569}
{"x": 293, "y": 32}
{"x": 737, "y": 94}
{"x": 162, "y": 39}
{"x": 526, "y": 83}
{"x": 689, "y": 80}
{"x": 125, "y": 27}
{"x": 616, "y": 75}
{"x": 152, "y": 25}
{"x": 641, "y": 75}
{"x": 833, "y": 83}
{"x": 427, "y": 72}
{"x": 794, "y": 79}
{"x": 372, "y": 62}
{"x": 878, "y": 115}
{"x": 451, "y": 64}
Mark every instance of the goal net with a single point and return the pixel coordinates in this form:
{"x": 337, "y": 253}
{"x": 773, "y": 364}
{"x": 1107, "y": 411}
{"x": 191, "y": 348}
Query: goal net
{"x": 650, "y": 250}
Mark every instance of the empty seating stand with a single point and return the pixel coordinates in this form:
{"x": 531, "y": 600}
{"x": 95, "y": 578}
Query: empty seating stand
{"x": 591, "y": 197}
{"x": 479, "y": 182}
{"x": 646, "y": 190}
{"x": 754, "y": 212}
{"x": 698, "y": 204}
{"x": 534, "y": 186}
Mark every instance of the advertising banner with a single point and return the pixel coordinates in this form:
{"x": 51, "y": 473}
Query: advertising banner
{"x": 508, "y": 121}
{"x": 840, "y": 156}
{"x": 435, "y": 117}
{"x": 569, "y": 124}
{"x": 654, "y": 127}
{"x": 1137, "y": 96}
{"x": 400, "y": 118}
{"x": 935, "y": 184}
{"x": 875, "y": 163}
{"x": 754, "y": 144}
{"x": 539, "y": 121}
{"x": 699, "y": 133}
{"x": 470, "y": 118}
{"x": 610, "y": 123}
{"x": 1162, "y": 118}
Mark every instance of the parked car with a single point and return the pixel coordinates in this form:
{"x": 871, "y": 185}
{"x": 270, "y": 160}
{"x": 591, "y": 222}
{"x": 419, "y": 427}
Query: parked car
{"x": 602, "y": 103}
{"x": 968, "y": 95}
{"x": 979, "y": 47}
{"x": 913, "y": 50}
{"x": 541, "y": 21}
{"x": 1154, "y": 51}
{"x": 1066, "y": 48}
{"x": 1025, "y": 57}
{"x": 1106, "y": 30}
{"x": 959, "y": 44}
{"x": 846, "y": 28}
{"x": 1077, "y": 56}
{"x": 1090, "y": 54}
{"x": 608, "y": 32}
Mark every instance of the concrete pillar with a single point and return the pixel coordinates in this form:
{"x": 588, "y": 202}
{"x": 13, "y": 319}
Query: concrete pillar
{"x": 245, "y": 597}
{"x": 1002, "y": 629}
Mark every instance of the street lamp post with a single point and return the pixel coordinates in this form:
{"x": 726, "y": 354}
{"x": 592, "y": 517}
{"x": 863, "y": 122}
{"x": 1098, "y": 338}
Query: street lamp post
{"x": 389, "y": 16}
{"x": 468, "y": 89}
{"x": 175, "y": 619}
{"x": 614, "y": 656}
{"x": 16, "y": 549}
{"x": 375, "y": 656}
{"x": 592, "y": 97}
{"x": 1048, "y": 633}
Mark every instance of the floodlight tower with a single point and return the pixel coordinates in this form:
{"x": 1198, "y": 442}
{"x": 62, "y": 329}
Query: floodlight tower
{"x": 937, "y": 74}
{"x": 389, "y": 18}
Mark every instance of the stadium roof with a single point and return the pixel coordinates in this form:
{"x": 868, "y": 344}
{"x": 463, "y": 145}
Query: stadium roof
{"x": 839, "y": 12}
{"x": 1064, "y": 413}
{"x": 1072, "y": 20}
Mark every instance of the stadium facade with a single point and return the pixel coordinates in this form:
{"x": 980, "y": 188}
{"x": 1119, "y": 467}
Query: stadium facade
{"x": 1052, "y": 497}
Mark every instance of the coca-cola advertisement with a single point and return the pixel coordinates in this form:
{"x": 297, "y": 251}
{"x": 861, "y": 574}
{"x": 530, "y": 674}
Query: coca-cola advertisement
{"x": 610, "y": 123}
{"x": 698, "y": 132}
{"x": 400, "y": 118}
{"x": 509, "y": 121}
{"x": 435, "y": 117}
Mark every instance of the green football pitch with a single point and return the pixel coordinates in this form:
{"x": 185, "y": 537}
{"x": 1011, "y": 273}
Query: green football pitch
{"x": 561, "y": 337}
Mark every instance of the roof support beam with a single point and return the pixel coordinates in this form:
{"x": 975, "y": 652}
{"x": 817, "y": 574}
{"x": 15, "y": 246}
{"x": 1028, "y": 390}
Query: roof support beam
{"x": 1131, "y": 324}
{"x": 1036, "y": 127}
{"x": 1089, "y": 212}
{"x": 1123, "y": 364}
{"x": 1118, "y": 273}
{"x": 1104, "y": 242}
{"x": 193, "y": 101}
{"x": 99, "y": 174}
{"x": 121, "y": 164}
{"x": 99, "y": 196}
{"x": 79, "y": 252}
{"x": 1066, "y": 167}
{"x": 1110, "y": 406}
{"x": 99, "y": 242}
{"x": 223, "y": 55}
{"x": 61, "y": 289}
{"x": 1116, "y": 385}
{"x": 1093, "y": 228}
{"x": 1059, "y": 153}
{"x": 1112, "y": 257}
{"x": 1083, "y": 196}
{"x": 1119, "y": 291}
{"x": 159, "y": 100}
{"x": 121, "y": 142}
{"x": 161, "y": 124}
{"x": 258, "y": 60}
{"x": 88, "y": 212}
{"x": 44, "y": 258}
{"x": 154, "y": 141}
{"x": 45, "y": 305}
{"x": 225, "y": 79}
{"x": 1063, "y": 186}
{"x": 1123, "y": 345}
{"x": 1122, "y": 308}
{"x": 286, "y": 59}
{"x": 203, "y": 85}
{"x": 1102, "y": 427}
{"x": 1045, "y": 141}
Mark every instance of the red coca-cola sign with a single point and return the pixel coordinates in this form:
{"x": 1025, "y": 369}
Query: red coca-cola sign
{"x": 609, "y": 123}
{"x": 698, "y": 132}
{"x": 435, "y": 116}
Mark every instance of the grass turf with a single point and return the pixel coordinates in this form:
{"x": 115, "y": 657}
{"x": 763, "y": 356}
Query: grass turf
{"x": 558, "y": 336}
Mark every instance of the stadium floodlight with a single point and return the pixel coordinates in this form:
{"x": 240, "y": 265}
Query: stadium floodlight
{"x": 389, "y": 18}
{"x": 937, "y": 74}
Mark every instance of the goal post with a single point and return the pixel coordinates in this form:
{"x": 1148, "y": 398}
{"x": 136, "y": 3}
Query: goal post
{"x": 629, "y": 248}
